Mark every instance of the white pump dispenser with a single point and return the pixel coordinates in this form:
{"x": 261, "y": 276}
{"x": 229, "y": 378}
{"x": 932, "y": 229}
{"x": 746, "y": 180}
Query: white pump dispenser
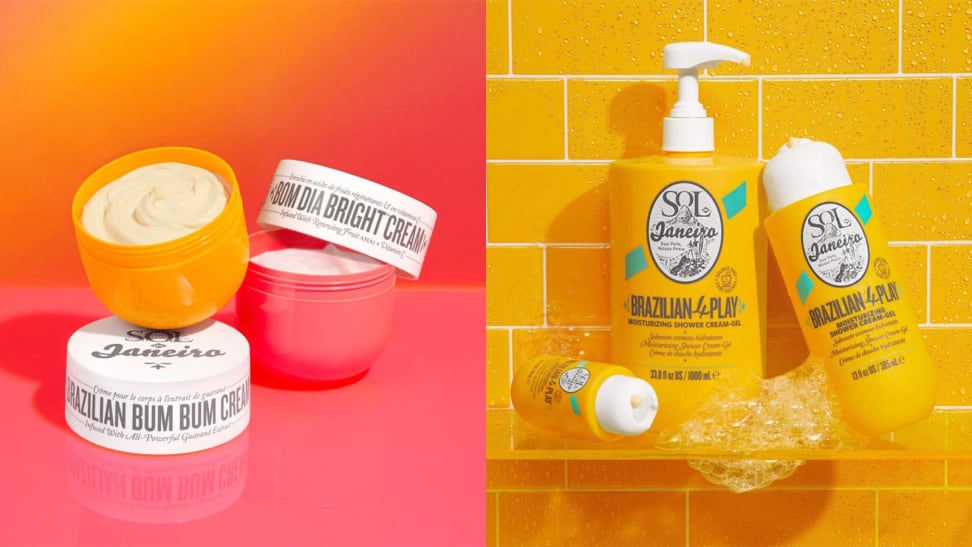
{"x": 687, "y": 128}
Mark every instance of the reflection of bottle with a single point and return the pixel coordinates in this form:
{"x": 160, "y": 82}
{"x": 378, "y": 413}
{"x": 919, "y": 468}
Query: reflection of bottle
{"x": 846, "y": 292}
{"x": 153, "y": 489}
{"x": 583, "y": 399}
{"x": 687, "y": 252}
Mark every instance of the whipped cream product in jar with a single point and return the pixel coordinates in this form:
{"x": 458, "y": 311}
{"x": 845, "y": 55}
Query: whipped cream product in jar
{"x": 327, "y": 261}
{"x": 162, "y": 235}
{"x": 154, "y": 203}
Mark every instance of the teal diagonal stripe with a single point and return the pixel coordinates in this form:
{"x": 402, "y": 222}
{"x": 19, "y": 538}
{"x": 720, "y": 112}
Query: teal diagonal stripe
{"x": 735, "y": 201}
{"x": 863, "y": 209}
{"x": 634, "y": 262}
{"x": 803, "y": 286}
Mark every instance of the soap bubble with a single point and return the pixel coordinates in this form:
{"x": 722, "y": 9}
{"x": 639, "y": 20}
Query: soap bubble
{"x": 748, "y": 415}
{"x": 745, "y": 475}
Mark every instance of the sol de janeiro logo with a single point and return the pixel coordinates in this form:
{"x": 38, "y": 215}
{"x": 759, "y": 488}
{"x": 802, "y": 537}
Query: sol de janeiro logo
{"x": 835, "y": 245}
{"x": 684, "y": 229}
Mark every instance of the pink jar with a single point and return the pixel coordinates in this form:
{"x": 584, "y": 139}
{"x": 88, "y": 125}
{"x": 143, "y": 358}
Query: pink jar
{"x": 322, "y": 328}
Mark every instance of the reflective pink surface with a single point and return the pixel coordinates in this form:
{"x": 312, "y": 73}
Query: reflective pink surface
{"x": 396, "y": 458}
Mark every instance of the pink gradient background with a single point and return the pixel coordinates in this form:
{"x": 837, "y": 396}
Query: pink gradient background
{"x": 390, "y": 90}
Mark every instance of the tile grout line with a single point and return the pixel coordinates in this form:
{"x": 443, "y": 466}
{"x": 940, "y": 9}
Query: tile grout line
{"x": 543, "y": 281}
{"x": 566, "y": 126}
{"x": 509, "y": 34}
{"x": 954, "y": 114}
{"x": 877, "y": 516}
{"x": 583, "y": 327}
{"x": 900, "y": 34}
{"x": 607, "y": 161}
{"x": 486, "y": 206}
{"x": 705, "y": 21}
{"x": 720, "y": 489}
{"x": 509, "y": 341}
{"x": 948, "y": 427}
{"x": 759, "y": 119}
{"x": 928, "y": 284}
{"x": 497, "y": 518}
{"x": 688, "y": 528}
{"x": 557, "y": 245}
{"x": 870, "y": 178}
{"x": 599, "y": 245}
{"x": 796, "y": 76}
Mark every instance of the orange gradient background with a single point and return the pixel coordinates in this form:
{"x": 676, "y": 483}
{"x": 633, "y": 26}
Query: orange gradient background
{"x": 388, "y": 90}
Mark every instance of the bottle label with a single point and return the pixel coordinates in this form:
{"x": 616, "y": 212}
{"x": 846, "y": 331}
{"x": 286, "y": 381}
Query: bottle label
{"x": 835, "y": 245}
{"x": 684, "y": 231}
{"x": 573, "y": 379}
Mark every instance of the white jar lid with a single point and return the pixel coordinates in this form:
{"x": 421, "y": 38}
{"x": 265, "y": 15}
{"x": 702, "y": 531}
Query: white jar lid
{"x": 157, "y": 391}
{"x": 350, "y": 211}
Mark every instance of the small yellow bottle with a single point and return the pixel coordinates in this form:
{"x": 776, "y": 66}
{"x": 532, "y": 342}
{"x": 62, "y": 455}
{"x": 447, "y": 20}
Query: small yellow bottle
{"x": 583, "y": 399}
{"x": 688, "y": 255}
{"x": 846, "y": 290}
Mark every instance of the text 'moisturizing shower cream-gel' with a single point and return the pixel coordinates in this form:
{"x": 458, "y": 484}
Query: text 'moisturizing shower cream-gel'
{"x": 846, "y": 289}
{"x": 687, "y": 253}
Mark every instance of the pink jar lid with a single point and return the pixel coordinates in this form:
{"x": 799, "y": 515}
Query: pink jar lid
{"x": 350, "y": 211}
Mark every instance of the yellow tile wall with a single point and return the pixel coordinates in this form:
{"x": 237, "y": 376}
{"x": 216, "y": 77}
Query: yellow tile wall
{"x": 573, "y": 85}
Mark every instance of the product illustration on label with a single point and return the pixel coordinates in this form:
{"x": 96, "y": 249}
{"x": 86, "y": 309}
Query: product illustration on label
{"x": 684, "y": 231}
{"x": 573, "y": 379}
{"x": 835, "y": 245}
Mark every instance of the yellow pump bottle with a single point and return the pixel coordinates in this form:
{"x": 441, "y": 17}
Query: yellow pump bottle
{"x": 846, "y": 291}
{"x": 688, "y": 256}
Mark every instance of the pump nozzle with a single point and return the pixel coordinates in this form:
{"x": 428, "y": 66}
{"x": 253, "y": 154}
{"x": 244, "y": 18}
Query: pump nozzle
{"x": 688, "y": 129}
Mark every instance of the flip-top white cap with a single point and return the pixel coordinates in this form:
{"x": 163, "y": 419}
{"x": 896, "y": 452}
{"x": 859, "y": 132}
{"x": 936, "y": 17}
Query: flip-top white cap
{"x": 803, "y": 168}
{"x": 688, "y": 128}
{"x": 625, "y": 405}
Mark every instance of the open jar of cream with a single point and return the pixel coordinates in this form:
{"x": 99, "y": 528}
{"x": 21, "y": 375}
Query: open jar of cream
{"x": 312, "y": 310}
{"x": 317, "y": 301}
{"x": 145, "y": 273}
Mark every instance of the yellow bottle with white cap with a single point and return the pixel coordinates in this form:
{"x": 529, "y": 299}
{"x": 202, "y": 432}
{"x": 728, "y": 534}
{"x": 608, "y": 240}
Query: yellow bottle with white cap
{"x": 583, "y": 399}
{"x": 688, "y": 255}
{"x": 846, "y": 289}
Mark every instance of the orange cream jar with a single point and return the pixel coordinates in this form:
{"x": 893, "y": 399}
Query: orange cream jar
{"x": 173, "y": 283}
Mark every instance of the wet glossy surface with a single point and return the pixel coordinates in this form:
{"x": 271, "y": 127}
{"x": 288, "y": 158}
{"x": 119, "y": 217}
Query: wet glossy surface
{"x": 946, "y": 434}
{"x": 392, "y": 459}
